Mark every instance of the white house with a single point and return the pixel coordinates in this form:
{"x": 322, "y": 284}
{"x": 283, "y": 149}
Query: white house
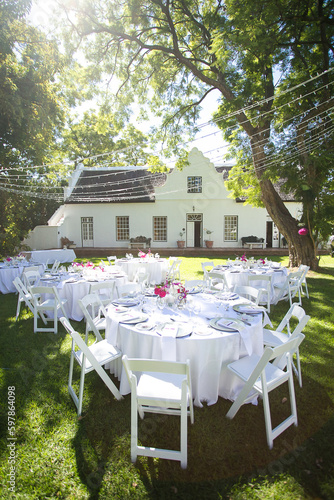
{"x": 105, "y": 207}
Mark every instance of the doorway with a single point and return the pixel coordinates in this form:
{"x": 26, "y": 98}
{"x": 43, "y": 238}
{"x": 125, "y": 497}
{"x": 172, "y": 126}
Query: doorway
{"x": 194, "y": 230}
{"x": 87, "y": 231}
{"x": 269, "y": 234}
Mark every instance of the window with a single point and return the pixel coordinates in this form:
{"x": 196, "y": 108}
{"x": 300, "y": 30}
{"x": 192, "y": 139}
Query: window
{"x": 87, "y": 228}
{"x": 230, "y": 228}
{"x": 160, "y": 228}
{"x": 122, "y": 228}
{"x": 194, "y": 184}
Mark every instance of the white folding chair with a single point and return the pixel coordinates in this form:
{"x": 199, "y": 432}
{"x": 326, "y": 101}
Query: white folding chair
{"x": 289, "y": 288}
{"x": 282, "y": 334}
{"x": 128, "y": 288}
{"x": 55, "y": 266}
{"x": 304, "y": 269}
{"x": 174, "y": 270}
{"x": 256, "y": 281}
{"x": 205, "y": 266}
{"x": 23, "y": 296}
{"x": 94, "y": 314}
{"x": 31, "y": 278}
{"x": 250, "y": 293}
{"x": 105, "y": 290}
{"x": 46, "y": 300}
{"x": 264, "y": 374}
{"x": 159, "y": 387}
{"x": 90, "y": 358}
{"x": 217, "y": 281}
{"x": 111, "y": 259}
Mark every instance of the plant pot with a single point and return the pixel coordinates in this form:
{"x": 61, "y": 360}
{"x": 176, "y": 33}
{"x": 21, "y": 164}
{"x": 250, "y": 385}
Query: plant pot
{"x": 180, "y": 243}
{"x": 208, "y": 244}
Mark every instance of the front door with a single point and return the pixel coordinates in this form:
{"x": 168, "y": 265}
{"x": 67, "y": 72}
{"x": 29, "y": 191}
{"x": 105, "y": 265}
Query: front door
{"x": 87, "y": 231}
{"x": 194, "y": 230}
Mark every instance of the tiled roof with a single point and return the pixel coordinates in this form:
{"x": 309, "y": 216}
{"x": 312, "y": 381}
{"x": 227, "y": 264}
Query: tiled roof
{"x": 116, "y": 186}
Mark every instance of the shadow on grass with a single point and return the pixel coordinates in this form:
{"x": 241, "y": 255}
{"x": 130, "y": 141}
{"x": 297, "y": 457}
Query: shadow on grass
{"x": 220, "y": 451}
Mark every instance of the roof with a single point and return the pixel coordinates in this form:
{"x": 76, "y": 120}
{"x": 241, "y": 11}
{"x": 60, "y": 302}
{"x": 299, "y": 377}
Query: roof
{"x": 115, "y": 186}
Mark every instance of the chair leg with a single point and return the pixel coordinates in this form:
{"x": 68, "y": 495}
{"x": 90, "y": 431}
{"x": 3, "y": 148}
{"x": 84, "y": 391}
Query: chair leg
{"x": 81, "y": 387}
{"x": 134, "y": 427}
{"x": 183, "y": 431}
{"x": 267, "y": 416}
{"x": 18, "y": 308}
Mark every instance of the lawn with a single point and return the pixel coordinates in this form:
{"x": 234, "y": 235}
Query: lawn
{"x": 59, "y": 456}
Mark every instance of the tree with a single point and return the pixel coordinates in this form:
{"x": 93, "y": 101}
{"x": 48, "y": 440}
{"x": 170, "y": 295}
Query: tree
{"x": 184, "y": 49}
{"x": 31, "y": 113}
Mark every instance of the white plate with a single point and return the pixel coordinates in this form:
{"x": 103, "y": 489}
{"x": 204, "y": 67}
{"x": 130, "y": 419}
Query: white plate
{"x": 144, "y": 327}
{"x": 126, "y": 302}
{"x": 184, "y": 329}
{"x": 229, "y": 327}
{"x": 247, "y": 309}
{"x": 227, "y": 296}
{"x": 203, "y": 332}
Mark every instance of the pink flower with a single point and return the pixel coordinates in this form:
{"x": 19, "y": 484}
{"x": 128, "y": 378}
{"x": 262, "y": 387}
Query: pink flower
{"x": 303, "y": 231}
{"x": 244, "y": 258}
{"x": 8, "y": 259}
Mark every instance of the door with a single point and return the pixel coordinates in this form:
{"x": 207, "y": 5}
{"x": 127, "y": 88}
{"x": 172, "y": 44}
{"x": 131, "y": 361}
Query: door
{"x": 194, "y": 230}
{"x": 87, "y": 231}
{"x": 269, "y": 234}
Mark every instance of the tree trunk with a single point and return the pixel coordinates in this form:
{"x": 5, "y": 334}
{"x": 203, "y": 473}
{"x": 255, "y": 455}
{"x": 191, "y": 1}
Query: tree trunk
{"x": 301, "y": 248}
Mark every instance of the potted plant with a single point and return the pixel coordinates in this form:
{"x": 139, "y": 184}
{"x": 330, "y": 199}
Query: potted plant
{"x": 181, "y": 242}
{"x": 208, "y": 242}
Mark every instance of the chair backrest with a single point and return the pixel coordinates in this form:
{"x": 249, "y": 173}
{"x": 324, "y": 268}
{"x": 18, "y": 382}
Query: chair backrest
{"x": 295, "y": 311}
{"x": 111, "y": 259}
{"x": 279, "y": 356}
{"x": 136, "y": 365}
{"x": 217, "y": 277}
{"x": 254, "y": 278}
{"x": 205, "y": 265}
{"x": 249, "y": 292}
{"x": 31, "y": 278}
{"x": 108, "y": 287}
{"x": 23, "y": 292}
{"x": 92, "y": 307}
{"x": 128, "y": 288}
{"x": 39, "y": 290}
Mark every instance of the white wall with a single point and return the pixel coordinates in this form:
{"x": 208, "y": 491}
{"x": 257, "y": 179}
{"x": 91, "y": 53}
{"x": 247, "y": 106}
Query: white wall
{"x": 43, "y": 238}
{"x": 172, "y": 201}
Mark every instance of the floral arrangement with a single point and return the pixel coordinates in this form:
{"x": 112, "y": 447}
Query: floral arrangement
{"x": 80, "y": 266}
{"x": 243, "y": 258}
{"x": 142, "y": 254}
{"x": 262, "y": 261}
{"x": 173, "y": 287}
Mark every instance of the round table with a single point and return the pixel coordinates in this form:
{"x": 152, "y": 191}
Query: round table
{"x": 208, "y": 355}
{"x": 9, "y": 273}
{"x": 238, "y": 276}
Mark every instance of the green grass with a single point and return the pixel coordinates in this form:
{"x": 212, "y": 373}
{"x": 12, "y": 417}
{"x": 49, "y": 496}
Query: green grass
{"x": 60, "y": 456}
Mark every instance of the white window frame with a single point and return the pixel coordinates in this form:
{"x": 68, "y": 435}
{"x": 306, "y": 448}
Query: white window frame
{"x": 161, "y": 220}
{"x": 230, "y": 228}
{"x": 122, "y": 228}
{"x": 194, "y": 184}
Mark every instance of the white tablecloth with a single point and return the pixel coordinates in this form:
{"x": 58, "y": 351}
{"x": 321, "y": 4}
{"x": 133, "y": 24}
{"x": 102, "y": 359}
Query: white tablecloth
{"x": 8, "y": 274}
{"x": 155, "y": 268}
{"x": 209, "y": 355}
{"x": 74, "y": 288}
{"x": 62, "y": 255}
{"x": 236, "y": 275}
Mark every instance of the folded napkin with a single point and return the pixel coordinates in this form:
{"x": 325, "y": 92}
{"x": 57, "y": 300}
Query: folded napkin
{"x": 124, "y": 301}
{"x": 168, "y": 342}
{"x": 242, "y": 329}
